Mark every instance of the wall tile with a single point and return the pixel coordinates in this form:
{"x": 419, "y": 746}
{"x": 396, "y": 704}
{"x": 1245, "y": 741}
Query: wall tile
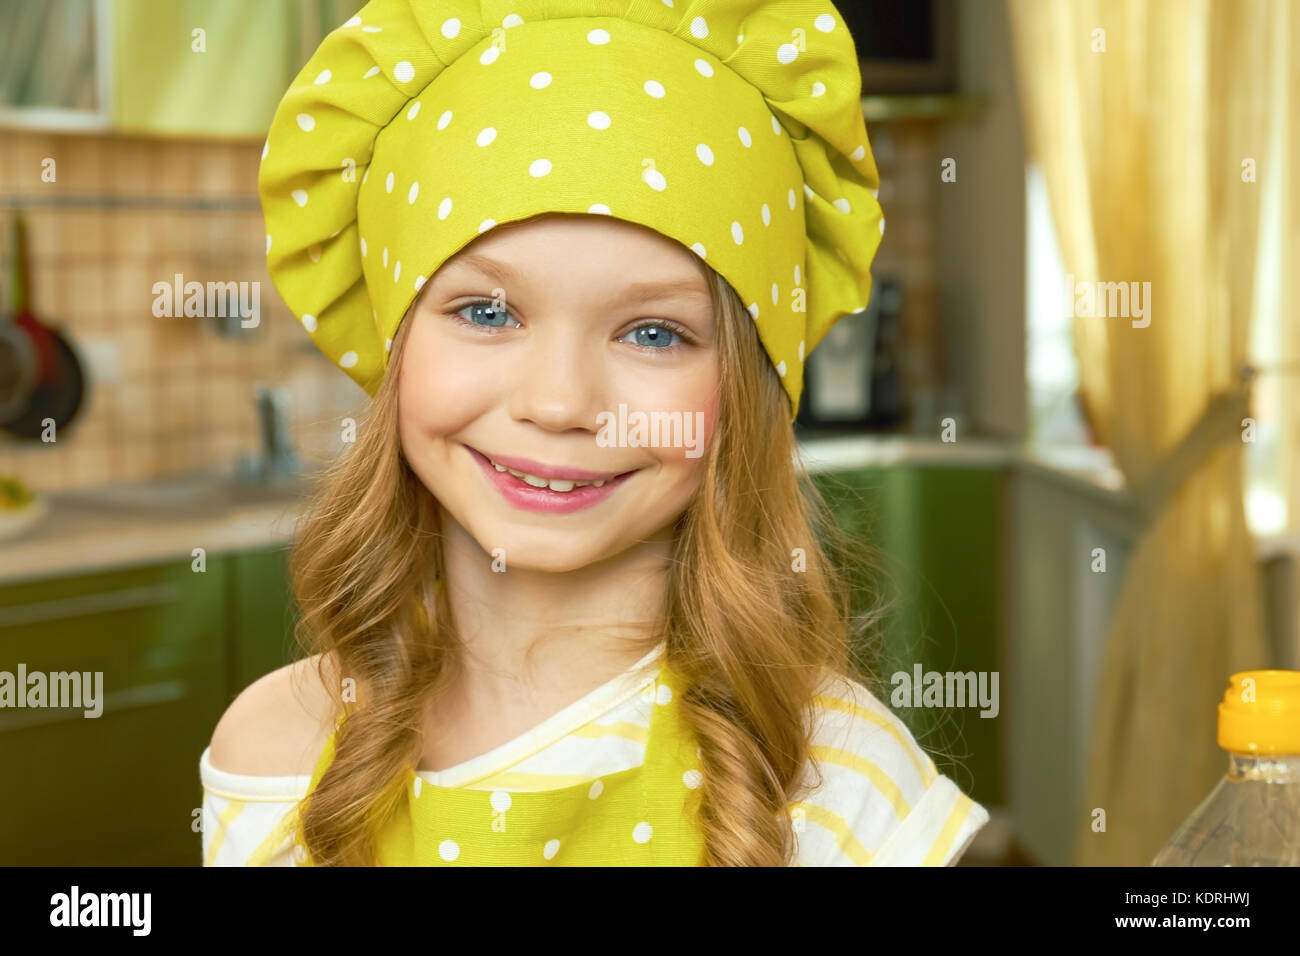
{"x": 184, "y": 396}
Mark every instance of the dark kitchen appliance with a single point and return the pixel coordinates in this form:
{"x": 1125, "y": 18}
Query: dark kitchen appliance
{"x": 852, "y": 379}
{"x": 904, "y": 46}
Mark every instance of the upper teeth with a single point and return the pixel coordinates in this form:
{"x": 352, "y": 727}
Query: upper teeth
{"x": 555, "y": 484}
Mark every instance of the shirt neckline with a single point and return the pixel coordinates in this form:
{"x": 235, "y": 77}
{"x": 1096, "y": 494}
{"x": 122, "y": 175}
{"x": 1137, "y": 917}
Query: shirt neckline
{"x": 559, "y": 725}
{"x": 553, "y": 728}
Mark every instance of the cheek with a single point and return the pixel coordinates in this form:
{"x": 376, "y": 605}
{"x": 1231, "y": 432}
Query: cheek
{"x": 440, "y": 388}
{"x": 701, "y": 393}
{"x": 709, "y": 406}
{"x": 696, "y": 397}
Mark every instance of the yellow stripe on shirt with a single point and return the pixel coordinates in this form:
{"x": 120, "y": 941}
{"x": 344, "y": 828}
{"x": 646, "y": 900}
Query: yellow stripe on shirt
{"x": 274, "y": 839}
{"x": 629, "y": 730}
{"x": 844, "y": 837}
{"x": 926, "y": 769}
{"x": 533, "y": 781}
{"x": 951, "y": 827}
{"x": 879, "y": 779}
{"x": 232, "y": 810}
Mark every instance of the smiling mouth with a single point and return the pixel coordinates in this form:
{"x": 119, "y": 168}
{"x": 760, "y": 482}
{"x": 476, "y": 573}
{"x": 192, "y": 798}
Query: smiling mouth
{"x": 554, "y": 484}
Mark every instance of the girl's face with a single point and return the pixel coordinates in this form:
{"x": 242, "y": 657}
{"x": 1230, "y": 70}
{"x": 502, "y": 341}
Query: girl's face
{"x": 539, "y": 347}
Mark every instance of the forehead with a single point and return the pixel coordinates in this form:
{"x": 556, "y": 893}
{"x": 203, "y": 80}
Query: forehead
{"x": 577, "y": 245}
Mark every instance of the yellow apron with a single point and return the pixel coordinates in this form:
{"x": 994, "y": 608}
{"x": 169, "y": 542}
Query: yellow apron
{"x": 644, "y": 816}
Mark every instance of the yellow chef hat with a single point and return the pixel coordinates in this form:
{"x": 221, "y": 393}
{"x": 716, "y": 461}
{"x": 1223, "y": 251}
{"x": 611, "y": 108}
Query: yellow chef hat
{"x": 731, "y": 126}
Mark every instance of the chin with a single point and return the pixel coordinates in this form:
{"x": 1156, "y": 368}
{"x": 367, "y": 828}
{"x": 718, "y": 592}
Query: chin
{"x": 557, "y": 558}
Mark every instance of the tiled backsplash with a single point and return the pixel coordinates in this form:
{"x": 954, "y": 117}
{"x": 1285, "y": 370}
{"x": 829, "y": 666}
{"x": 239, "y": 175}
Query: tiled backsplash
{"x": 908, "y": 163}
{"x": 170, "y": 395}
{"x": 165, "y": 395}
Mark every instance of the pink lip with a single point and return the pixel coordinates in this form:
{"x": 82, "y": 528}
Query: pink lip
{"x": 546, "y": 471}
{"x": 520, "y": 494}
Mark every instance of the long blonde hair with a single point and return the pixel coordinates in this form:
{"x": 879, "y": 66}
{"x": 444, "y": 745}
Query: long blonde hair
{"x": 760, "y": 609}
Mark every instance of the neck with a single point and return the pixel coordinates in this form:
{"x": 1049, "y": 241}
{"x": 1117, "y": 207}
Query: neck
{"x": 530, "y": 636}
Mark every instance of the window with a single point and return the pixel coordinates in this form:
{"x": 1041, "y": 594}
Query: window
{"x": 1055, "y": 417}
{"x": 54, "y": 64}
{"x": 1054, "y": 414}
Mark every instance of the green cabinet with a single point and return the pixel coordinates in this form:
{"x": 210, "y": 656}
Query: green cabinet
{"x": 262, "y": 614}
{"x": 936, "y": 535}
{"x": 118, "y": 788}
{"x": 174, "y": 646}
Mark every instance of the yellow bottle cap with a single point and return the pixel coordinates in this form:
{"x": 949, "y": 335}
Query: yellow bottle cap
{"x": 1260, "y": 713}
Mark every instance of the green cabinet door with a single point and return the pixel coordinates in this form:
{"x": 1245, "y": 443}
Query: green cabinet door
{"x": 262, "y": 614}
{"x": 120, "y": 788}
{"x": 937, "y": 538}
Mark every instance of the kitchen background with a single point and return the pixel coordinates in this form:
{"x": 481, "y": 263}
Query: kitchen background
{"x": 945, "y": 423}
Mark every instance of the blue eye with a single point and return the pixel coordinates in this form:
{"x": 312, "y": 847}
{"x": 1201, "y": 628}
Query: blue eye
{"x": 658, "y": 336}
{"x": 654, "y": 336}
{"x": 492, "y": 318}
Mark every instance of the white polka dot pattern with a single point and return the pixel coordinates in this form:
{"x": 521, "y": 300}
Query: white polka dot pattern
{"x": 659, "y": 117}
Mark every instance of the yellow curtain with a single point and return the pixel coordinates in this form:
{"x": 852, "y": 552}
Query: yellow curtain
{"x": 1151, "y": 120}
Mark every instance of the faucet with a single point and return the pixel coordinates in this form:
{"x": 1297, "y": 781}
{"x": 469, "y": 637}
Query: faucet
{"x": 278, "y": 458}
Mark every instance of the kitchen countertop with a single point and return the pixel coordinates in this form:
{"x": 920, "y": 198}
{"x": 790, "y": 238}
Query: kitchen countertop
{"x": 81, "y": 535}
{"x": 877, "y": 451}
{"x": 119, "y": 526}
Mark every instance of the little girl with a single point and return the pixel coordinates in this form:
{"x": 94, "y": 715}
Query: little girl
{"x": 570, "y": 598}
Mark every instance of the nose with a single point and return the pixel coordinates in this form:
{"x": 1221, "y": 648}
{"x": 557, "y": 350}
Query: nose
{"x": 559, "y": 381}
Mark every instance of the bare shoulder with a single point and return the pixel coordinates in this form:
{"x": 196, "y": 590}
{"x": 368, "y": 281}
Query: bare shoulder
{"x": 277, "y": 726}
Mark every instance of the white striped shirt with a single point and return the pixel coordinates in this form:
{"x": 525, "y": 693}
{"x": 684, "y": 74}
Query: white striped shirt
{"x": 881, "y": 802}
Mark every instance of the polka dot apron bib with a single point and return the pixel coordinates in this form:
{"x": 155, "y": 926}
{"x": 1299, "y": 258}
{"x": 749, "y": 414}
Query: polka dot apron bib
{"x": 643, "y": 816}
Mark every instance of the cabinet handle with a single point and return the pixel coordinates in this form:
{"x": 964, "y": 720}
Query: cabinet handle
{"x": 114, "y": 703}
{"x": 85, "y": 604}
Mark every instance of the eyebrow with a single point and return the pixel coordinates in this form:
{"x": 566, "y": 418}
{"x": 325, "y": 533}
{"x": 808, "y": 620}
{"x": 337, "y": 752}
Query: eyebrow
{"x": 636, "y": 292}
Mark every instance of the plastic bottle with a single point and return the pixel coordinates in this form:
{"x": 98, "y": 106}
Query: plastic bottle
{"x": 1252, "y": 816}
